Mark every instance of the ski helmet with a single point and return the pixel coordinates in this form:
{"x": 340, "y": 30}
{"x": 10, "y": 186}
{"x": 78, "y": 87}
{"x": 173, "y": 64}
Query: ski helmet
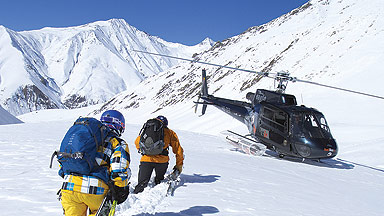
{"x": 114, "y": 120}
{"x": 163, "y": 119}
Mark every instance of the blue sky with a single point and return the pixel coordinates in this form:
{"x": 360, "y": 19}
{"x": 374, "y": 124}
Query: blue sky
{"x": 183, "y": 21}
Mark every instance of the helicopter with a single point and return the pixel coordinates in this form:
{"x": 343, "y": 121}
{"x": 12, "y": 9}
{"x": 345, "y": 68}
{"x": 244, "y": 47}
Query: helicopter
{"x": 273, "y": 118}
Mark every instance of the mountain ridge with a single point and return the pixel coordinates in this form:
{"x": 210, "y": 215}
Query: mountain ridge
{"x": 330, "y": 42}
{"x": 79, "y": 66}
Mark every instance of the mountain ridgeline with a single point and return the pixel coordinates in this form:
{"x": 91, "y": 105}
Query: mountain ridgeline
{"x": 79, "y": 66}
{"x": 332, "y": 42}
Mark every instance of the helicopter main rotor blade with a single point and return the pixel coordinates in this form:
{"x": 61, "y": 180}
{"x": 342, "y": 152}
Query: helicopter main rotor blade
{"x": 207, "y": 63}
{"x": 341, "y": 89}
{"x": 264, "y": 74}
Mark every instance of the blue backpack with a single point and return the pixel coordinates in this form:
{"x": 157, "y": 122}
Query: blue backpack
{"x": 79, "y": 146}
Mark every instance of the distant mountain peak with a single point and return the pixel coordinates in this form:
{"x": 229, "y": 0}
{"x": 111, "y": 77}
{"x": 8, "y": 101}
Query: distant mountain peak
{"x": 324, "y": 41}
{"x": 207, "y": 41}
{"x": 79, "y": 66}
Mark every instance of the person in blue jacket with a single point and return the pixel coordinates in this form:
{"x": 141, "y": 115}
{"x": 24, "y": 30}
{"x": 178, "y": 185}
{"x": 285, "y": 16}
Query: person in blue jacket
{"x": 81, "y": 192}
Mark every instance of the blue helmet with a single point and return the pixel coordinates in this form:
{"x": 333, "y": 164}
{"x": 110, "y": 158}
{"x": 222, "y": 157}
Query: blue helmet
{"x": 163, "y": 119}
{"x": 114, "y": 120}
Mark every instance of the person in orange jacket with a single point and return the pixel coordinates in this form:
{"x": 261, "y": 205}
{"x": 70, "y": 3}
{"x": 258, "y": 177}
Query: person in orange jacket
{"x": 159, "y": 163}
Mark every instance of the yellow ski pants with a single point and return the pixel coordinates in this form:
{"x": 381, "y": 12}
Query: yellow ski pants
{"x": 76, "y": 203}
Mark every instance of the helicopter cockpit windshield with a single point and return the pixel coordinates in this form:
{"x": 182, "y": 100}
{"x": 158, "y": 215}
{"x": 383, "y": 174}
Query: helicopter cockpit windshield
{"x": 311, "y": 124}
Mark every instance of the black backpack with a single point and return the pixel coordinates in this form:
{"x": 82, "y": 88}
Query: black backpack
{"x": 152, "y": 138}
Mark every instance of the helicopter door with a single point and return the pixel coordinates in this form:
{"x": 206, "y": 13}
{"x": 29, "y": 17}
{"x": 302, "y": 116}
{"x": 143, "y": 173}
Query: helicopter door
{"x": 274, "y": 126}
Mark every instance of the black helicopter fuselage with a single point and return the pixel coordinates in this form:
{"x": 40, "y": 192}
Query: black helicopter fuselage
{"x": 275, "y": 120}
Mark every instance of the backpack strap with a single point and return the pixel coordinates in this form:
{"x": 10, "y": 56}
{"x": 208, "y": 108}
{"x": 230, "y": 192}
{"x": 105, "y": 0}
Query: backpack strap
{"x": 142, "y": 128}
{"x": 53, "y": 155}
{"x": 86, "y": 123}
{"x": 165, "y": 152}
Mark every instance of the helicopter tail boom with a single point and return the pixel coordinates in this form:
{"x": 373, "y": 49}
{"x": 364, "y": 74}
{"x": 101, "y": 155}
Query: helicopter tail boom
{"x": 237, "y": 109}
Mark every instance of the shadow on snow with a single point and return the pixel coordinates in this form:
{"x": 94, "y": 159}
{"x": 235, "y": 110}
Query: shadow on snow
{"x": 198, "y": 178}
{"x": 328, "y": 162}
{"x": 362, "y": 165}
{"x": 195, "y": 210}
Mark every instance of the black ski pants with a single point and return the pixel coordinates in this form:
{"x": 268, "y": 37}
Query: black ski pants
{"x": 145, "y": 172}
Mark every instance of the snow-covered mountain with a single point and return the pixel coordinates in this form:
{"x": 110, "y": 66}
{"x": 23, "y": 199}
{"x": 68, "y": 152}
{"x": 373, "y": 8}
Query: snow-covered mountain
{"x": 337, "y": 43}
{"x": 79, "y": 66}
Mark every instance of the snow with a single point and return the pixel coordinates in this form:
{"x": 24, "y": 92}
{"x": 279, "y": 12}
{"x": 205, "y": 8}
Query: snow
{"x": 218, "y": 179}
{"x": 333, "y": 42}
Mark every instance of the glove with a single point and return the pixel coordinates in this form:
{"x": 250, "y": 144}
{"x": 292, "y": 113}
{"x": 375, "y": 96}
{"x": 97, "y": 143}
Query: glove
{"x": 178, "y": 167}
{"x": 121, "y": 193}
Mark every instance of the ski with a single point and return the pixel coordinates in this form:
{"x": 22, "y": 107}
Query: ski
{"x": 107, "y": 207}
{"x": 172, "y": 181}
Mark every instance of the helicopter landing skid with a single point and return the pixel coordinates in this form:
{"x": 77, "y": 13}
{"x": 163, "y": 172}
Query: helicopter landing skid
{"x": 245, "y": 144}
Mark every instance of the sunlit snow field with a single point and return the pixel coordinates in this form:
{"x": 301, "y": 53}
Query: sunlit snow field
{"x": 218, "y": 178}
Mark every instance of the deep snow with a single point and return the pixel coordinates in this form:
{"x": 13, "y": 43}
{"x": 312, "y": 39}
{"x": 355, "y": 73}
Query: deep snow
{"x": 218, "y": 179}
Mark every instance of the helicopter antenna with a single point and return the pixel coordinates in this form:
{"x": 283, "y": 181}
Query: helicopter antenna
{"x": 281, "y": 77}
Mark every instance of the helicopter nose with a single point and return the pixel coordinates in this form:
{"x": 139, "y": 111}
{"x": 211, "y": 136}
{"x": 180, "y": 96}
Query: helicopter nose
{"x": 330, "y": 151}
{"x": 303, "y": 150}
{"x": 331, "y": 148}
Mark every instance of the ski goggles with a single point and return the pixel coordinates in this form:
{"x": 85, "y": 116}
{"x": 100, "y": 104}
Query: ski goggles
{"x": 112, "y": 120}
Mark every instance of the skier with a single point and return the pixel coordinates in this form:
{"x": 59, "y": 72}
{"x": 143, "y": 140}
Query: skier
{"x": 158, "y": 162}
{"x": 82, "y": 192}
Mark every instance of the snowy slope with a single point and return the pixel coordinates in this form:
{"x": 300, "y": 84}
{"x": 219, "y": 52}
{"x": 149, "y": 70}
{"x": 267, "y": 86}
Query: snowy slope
{"x": 7, "y": 118}
{"x": 24, "y": 83}
{"x": 79, "y": 66}
{"x": 337, "y": 43}
{"x": 332, "y": 42}
{"x": 217, "y": 179}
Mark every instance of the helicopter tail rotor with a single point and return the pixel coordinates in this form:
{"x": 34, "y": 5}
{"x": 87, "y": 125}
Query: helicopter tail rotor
{"x": 203, "y": 93}
{"x": 204, "y": 109}
{"x": 204, "y": 90}
{"x": 204, "y": 86}
{"x": 204, "y": 106}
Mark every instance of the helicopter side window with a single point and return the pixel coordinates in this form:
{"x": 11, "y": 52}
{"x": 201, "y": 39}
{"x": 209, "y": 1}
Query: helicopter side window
{"x": 288, "y": 100}
{"x": 276, "y": 119}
